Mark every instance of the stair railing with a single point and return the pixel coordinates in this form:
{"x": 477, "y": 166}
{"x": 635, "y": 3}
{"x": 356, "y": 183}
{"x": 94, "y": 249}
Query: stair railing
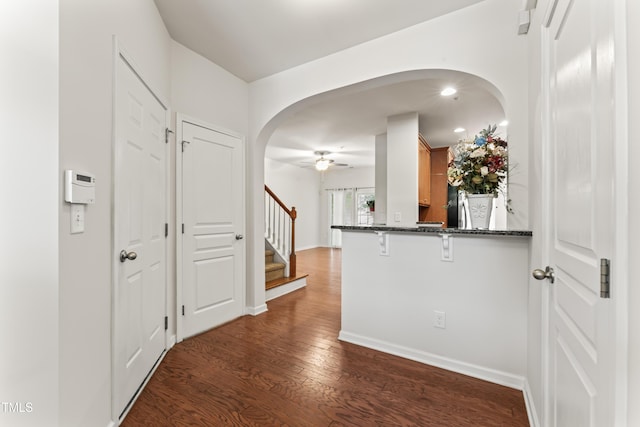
{"x": 280, "y": 227}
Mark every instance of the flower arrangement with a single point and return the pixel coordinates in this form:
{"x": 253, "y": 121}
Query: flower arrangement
{"x": 479, "y": 166}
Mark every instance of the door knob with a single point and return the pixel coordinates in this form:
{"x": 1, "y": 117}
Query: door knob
{"x": 547, "y": 273}
{"x": 124, "y": 255}
{"x": 239, "y": 237}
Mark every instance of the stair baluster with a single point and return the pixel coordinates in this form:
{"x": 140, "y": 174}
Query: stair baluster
{"x": 280, "y": 228}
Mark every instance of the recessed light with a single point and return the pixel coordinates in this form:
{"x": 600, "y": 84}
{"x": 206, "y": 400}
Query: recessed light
{"x": 504, "y": 123}
{"x": 448, "y": 91}
{"x": 458, "y": 130}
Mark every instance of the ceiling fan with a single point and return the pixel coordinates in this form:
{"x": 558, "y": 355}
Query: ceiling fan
{"x": 322, "y": 163}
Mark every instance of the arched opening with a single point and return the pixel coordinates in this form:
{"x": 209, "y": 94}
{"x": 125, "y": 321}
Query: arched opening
{"x": 342, "y": 125}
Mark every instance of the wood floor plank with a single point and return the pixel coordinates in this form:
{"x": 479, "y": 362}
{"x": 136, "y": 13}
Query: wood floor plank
{"x": 286, "y": 367}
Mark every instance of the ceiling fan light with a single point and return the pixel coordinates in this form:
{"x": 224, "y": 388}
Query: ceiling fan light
{"x": 448, "y": 91}
{"x": 322, "y": 164}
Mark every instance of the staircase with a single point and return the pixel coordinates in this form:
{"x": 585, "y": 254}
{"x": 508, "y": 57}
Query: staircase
{"x": 277, "y": 283}
{"x": 280, "y": 248}
{"x": 273, "y": 270}
{"x": 280, "y": 236}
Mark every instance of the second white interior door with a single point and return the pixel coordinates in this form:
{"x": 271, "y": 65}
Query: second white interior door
{"x": 213, "y": 248}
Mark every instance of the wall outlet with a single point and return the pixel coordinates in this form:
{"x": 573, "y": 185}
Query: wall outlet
{"x": 447, "y": 248}
{"x": 397, "y": 217}
{"x": 439, "y": 319}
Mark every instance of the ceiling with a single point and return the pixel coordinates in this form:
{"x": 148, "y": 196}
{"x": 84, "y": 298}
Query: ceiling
{"x": 256, "y": 38}
{"x": 346, "y": 125}
{"x": 253, "y": 39}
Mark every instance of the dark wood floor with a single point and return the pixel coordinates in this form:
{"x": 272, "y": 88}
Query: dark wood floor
{"x": 286, "y": 367}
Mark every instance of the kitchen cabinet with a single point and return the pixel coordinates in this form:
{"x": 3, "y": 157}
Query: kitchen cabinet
{"x": 439, "y": 187}
{"x": 424, "y": 172}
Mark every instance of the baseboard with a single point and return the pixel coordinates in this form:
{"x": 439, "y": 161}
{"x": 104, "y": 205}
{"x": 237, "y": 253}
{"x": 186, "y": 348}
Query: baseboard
{"x": 304, "y": 248}
{"x": 487, "y": 374}
{"x": 285, "y": 289}
{"x": 534, "y": 421}
{"x": 254, "y": 311}
{"x": 112, "y": 424}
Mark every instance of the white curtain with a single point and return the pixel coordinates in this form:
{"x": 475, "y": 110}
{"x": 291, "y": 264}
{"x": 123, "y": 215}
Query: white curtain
{"x": 347, "y": 207}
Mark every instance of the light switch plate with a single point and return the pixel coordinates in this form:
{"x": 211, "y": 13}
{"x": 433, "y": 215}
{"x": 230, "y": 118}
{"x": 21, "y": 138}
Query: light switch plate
{"x": 77, "y": 218}
{"x": 383, "y": 241}
{"x": 439, "y": 319}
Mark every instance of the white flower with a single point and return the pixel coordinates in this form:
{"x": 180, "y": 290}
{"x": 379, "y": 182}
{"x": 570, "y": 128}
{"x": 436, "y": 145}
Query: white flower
{"x": 484, "y": 170}
{"x": 480, "y": 152}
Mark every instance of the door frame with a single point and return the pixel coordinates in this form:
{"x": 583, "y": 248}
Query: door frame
{"x": 180, "y": 119}
{"x": 121, "y": 54}
{"x": 620, "y": 246}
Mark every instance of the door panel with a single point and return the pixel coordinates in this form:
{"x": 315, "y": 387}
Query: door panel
{"x": 213, "y": 215}
{"x": 139, "y": 206}
{"x": 575, "y": 390}
{"x": 209, "y": 271}
{"x": 580, "y": 228}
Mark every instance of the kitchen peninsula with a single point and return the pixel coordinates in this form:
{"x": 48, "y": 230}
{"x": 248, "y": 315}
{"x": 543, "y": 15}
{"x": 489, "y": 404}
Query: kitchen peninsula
{"x": 451, "y": 298}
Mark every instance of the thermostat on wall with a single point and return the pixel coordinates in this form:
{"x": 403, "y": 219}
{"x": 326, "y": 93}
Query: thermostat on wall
{"x": 79, "y": 188}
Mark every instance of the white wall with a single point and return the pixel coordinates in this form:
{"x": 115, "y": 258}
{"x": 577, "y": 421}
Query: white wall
{"x": 299, "y": 187}
{"x": 29, "y": 216}
{"x": 388, "y": 302}
{"x": 633, "y": 74}
{"x": 458, "y": 41}
{"x": 205, "y": 91}
{"x": 380, "y": 214}
{"x": 349, "y": 178}
{"x": 402, "y": 169}
{"x": 86, "y": 84}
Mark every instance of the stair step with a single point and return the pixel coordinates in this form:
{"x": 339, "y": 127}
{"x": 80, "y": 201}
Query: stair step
{"x": 268, "y": 256}
{"x": 272, "y": 266}
{"x": 283, "y": 281}
{"x": 273, "y": 271}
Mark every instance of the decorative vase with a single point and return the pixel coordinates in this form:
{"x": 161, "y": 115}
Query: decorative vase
{"x": 480, "y": 208}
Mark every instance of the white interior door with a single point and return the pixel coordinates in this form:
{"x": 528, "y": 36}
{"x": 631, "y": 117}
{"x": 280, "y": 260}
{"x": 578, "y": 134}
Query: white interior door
{"x": 578, "y": 43}
{"x": 212, "y": 208}
{"x": 140, "y": 216}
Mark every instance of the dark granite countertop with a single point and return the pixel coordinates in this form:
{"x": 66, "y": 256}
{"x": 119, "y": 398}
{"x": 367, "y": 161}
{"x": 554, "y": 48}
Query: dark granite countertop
{"x": 434, "y": 230}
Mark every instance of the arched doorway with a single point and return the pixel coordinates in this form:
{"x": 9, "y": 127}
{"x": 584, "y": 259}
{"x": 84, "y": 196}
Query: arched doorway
{"x": 345, "y": 121}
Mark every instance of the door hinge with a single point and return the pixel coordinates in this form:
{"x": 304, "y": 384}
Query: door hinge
{"x": 183, "y": 228}
{"x": 166, "y": 229}
{"x": 183, "y": 310}
{"x": 183, "y": 144}
{"x": 605, "y": 278}
{"x": 166, "y": 322}
{"x": 167, "y": 131}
